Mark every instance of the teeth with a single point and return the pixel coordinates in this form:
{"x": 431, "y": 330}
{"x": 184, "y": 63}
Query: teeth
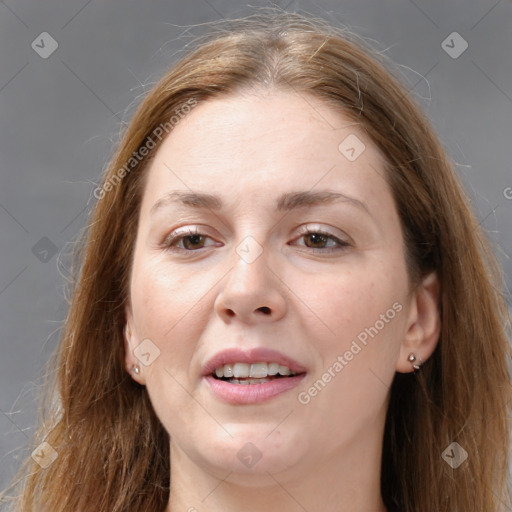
{"x": 235, "y": 371}
{"x": 240, "y": 370}
{"x": 284, "y": 370}
{"x": 273, "y": 368}
{"x": 258, "y": 370}
{"x": 248, "y": 381}
{"x": 228, "y": 370}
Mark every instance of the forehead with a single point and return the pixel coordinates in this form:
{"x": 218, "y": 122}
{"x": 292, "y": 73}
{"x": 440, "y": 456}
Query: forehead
{"x": 254, "y": 145}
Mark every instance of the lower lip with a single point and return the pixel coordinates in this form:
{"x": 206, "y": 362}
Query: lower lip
{"x": 251, "y": 393}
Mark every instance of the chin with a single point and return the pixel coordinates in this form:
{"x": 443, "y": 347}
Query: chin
{"x": 252, "y": 453}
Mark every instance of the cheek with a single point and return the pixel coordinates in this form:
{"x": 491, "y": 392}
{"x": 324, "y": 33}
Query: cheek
{"x": 364, "y": 311}
{"x": 163, "y": 296}
{"x": 345, "y": 303}
{"x": 168, "y": 309}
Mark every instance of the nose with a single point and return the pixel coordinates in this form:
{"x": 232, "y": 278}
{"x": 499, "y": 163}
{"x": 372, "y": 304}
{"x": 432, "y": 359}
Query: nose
{"x": 252, "y": 293}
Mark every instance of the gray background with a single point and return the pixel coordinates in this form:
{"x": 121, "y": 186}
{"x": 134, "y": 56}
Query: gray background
{"x": 59, "y": 117}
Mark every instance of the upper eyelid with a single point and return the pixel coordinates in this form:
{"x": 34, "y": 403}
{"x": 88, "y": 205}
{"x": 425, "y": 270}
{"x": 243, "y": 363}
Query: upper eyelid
{"x": 195, "y": 230}
{"x": 309, "y": 228}
{"x": 177, "y": 235}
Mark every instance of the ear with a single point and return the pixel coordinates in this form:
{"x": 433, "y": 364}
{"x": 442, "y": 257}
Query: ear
{"x": 423, "y": 325}
{"x": 130, "y": 342}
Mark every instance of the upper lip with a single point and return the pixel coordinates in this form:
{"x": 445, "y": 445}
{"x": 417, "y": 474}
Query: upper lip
{"x": 254, "y": 355}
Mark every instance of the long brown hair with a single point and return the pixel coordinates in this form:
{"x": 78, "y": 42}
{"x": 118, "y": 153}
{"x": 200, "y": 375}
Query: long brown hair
{"x": 112, "y": 451}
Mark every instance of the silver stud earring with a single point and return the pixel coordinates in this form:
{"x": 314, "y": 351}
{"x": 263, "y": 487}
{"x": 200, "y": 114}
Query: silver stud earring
{"x": 136, "y": 369}
{"x": 412, "y": 359}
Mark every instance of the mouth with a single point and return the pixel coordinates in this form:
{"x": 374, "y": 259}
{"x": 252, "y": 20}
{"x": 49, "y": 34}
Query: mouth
{"x": 251, "y": 376}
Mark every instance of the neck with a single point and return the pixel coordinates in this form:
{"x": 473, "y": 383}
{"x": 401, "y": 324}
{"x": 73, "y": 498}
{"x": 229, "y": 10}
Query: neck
{"x": 346, "y": 480}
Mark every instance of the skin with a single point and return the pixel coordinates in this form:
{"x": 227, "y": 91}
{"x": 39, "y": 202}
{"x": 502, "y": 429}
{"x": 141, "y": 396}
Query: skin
{"x": 248, "y": 149}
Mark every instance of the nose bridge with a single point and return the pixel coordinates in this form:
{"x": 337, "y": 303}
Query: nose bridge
{"x": 251, "y": 250}
{"x": 250, "y": 265}
{"x": 251, "y": 291}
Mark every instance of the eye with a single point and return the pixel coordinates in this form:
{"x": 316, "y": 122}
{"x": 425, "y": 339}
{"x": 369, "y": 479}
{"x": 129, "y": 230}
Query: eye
{"x": 319, "y": 240}
{"x": 188, "y": 239}
{"x": 191, "y": 240}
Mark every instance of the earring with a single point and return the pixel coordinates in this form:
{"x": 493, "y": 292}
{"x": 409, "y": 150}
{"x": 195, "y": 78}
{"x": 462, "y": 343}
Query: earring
{"x": 136, "y": 369}
{"x": 411, "y": 359}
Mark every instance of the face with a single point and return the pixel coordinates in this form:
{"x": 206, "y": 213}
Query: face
{"x": 267, "y": 234}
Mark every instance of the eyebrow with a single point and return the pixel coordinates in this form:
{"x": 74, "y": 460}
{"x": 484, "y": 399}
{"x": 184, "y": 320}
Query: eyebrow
{"x": 285, "y": 202}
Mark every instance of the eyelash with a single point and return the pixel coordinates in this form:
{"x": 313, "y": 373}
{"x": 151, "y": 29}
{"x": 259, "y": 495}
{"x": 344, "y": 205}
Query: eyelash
{"x": 342, "y": 244}
{"x": 189, "y": 232}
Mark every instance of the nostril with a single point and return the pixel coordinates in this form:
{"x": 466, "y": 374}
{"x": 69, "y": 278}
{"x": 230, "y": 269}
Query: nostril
{"x": 264, "y": 309}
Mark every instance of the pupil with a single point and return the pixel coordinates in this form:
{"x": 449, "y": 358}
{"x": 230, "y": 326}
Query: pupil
{"x": 192, "y": 240}
{"x": 317, "y": 238}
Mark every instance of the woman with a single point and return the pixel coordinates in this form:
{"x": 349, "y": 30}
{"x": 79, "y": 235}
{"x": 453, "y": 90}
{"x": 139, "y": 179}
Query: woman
{"x": 283, "y": 301}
